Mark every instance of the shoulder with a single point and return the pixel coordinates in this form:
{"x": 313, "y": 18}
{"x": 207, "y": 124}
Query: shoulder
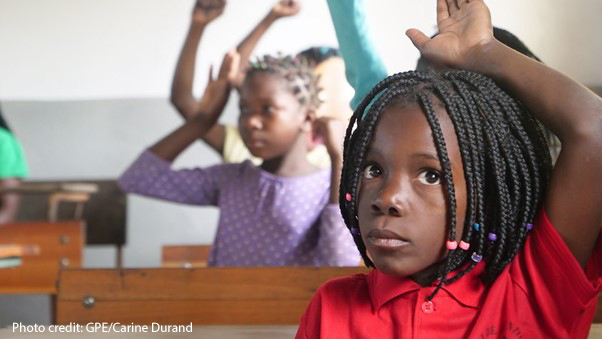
{"x": 344, "y": 288}
{"x": 235, "y": 172}
{"x": 545, "y": 263}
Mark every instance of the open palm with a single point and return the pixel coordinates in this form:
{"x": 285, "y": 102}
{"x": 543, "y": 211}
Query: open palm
{"x": 463, "y": 25}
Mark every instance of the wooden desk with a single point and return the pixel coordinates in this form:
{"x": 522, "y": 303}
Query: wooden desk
{"x": 179, "y": 296}
{"x": 60, "y": 245}
{"x": 595, "y": 332}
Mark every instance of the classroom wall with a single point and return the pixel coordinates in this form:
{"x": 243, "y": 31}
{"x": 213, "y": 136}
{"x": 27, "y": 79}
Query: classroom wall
{"x": 84, "y": 83}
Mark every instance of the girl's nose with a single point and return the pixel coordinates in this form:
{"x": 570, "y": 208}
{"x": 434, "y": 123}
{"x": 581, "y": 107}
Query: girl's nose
{"x": 390, "y": 201}
{"x": 254, "y": 122}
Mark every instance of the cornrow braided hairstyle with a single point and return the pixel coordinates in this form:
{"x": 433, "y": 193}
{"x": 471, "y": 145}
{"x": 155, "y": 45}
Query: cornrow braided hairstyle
{"x": 300, "y": 79}
{"x": 512, "y": 41}
{"x": 504, "y": 154}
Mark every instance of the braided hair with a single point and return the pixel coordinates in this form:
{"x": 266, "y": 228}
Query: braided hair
{"x": 300, "y": 79}
{"x": 504, "y": 154}
{"x": 512, "y": 41}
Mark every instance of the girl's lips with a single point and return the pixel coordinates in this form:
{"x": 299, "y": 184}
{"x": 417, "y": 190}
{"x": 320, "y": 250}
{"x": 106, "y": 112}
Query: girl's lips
{"x": 385, "y": 239}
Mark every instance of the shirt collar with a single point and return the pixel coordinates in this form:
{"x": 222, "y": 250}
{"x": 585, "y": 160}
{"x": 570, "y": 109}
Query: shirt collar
{"x": 468, "y": 290}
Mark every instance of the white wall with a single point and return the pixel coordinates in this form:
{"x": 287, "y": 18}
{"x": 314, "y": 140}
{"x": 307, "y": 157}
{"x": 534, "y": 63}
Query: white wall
{"x": 64, "y": 62}
{"x": 72, "y": 49}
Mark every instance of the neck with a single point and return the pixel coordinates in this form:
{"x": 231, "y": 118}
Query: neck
{"x": 293, "y": 163}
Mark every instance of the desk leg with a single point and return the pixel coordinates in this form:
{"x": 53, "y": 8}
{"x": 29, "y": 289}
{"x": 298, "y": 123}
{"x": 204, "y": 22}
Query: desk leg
{"x": 53, "y": 299}
{"x": 119, "y": 257}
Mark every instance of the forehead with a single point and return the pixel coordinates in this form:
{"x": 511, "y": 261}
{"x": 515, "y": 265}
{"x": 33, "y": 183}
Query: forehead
{"x": 404, "y": 127}
{"x": 263, "y": 85}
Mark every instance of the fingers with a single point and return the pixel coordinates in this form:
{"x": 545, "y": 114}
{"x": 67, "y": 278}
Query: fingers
{"x": 418, "y": 38}
{"x": 230, "y": 66}
{"x": 210, "y": 4}
{"x": 234, "y": 71}
{"x": 210, "y": 74}
{"x": 452, "y": 6}
{"x": 442, "y": 10}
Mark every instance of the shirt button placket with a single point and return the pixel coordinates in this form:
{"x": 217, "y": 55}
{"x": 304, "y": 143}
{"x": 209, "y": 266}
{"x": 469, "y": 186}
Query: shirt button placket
{"x": 428, "y": 307}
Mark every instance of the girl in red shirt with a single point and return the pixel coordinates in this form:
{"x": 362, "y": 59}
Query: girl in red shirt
{"x": 449, "y": 191}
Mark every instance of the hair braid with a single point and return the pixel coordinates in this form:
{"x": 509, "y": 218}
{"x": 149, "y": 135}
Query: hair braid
{"x": 504, "y": 157}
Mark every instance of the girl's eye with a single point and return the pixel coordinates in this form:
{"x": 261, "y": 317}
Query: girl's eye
{"x": 372, "y": 171}
{"x": 430, "y": 177}
{"x": 268, "y": 109}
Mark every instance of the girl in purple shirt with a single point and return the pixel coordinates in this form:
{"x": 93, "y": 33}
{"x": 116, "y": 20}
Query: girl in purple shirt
{"x": 282, "y": 213}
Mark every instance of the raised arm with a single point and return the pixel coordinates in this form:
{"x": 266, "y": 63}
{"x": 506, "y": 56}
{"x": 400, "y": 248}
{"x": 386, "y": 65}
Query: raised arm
{"x": 203, "y": 13}
{"x": 363, "y": 66}
{"x": 567, "y": 108}
{"x": 206, "y": 114}
{"x": 283, "y": 8}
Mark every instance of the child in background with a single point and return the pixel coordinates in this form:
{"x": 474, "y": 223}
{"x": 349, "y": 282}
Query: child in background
{"x": 13, "y": 169}
{"x": 448, "y": 189}
{"x": 225, "y": 139}
{"x": 283, "y": 213}
{"x": 334, "y": 94}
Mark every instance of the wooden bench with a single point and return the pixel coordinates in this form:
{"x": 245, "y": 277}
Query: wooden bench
{"x": 99, "y": 202}
{"x": 187, "y": 256}
{"x": 60, "y": 245}
{"x": 203, "y": 296}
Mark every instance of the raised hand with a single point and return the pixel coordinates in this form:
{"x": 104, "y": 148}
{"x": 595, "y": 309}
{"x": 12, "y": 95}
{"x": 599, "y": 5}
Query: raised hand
{"x": 205, "y": 11}
{"x": 464, "y": 27}
{"x": 285, "y": 8}
{"x": 332, "y": 133}
{"x": 217, "y": 90}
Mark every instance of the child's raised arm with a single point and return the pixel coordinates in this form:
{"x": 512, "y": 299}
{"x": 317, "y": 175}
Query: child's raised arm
{"x": 203, "y": 13}
{"x": 283, "y": 8}
{"x": 363, "y": 66}
{"x": 207, "y": 111}
{"x": 574, "y": 197}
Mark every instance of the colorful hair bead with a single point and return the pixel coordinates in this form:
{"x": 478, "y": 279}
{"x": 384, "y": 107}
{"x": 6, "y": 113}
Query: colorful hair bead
{"x": 355, "y": 230}
{"x": 348, "y": 197}
{"x": 476, "y": 227}
{"x": 464, "y": 245}
{"x": 529, "y": 227}
{"x": 492, "y": 236}
{"x": 451, "y": 245}
{"x": 476, "y": 257}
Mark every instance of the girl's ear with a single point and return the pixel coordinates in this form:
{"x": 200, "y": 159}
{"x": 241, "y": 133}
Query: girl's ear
{"x": 310, "y": 118}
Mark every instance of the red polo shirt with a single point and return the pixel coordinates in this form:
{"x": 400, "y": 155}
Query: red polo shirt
{"x": 543, "y": 293}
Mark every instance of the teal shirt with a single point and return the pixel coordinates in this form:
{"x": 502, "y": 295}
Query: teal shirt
{"x": 363, "y": 67}
{"x": 12, "y": 160}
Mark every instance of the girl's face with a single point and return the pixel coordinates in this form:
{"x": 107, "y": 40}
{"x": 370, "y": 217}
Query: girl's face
{"x": 271, "y": 117}
{"x": 402, "y": 198}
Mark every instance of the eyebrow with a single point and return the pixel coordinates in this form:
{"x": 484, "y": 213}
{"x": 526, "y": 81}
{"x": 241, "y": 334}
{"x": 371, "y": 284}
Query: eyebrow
{"x": 423, "y": 155}
{"x": 426, "y": 155}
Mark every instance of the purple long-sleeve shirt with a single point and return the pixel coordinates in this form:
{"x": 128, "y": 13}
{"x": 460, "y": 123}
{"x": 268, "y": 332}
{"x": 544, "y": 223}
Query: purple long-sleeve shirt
{"x": 265, "y": 220}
